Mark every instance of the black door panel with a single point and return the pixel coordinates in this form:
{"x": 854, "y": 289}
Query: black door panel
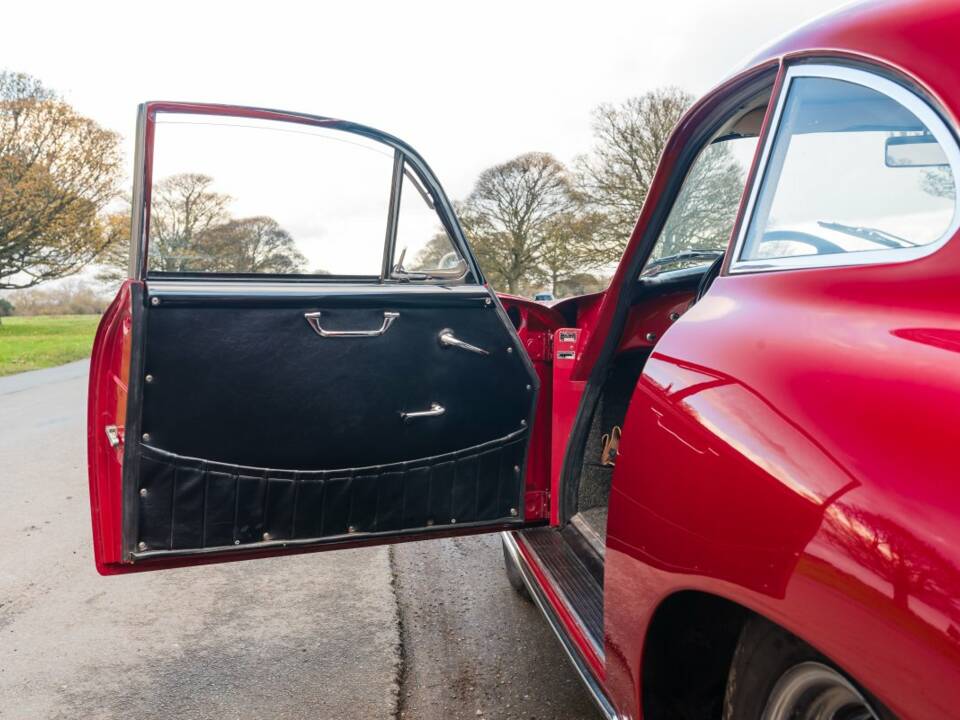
{"x": 257, "y": 386}
{"x": 257, "y": 429}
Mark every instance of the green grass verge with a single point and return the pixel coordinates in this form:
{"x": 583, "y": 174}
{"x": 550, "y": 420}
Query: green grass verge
{"x": 30, "y": 343}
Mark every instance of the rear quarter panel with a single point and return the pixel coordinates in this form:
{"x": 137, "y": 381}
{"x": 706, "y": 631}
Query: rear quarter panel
{"x": 791, "y": 446}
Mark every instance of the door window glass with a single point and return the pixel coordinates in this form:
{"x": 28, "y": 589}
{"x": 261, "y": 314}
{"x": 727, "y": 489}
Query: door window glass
{"x": 423, "y": 245}
{"x": 239, "y": 196}
{"x": 698, "y": 228}
{"x": 851, "y": 170}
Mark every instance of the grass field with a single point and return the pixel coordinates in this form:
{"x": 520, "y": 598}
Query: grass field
{"x": 30, "y": 343}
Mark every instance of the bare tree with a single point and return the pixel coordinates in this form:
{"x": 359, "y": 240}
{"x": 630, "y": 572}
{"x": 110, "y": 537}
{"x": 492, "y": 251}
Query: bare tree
{"x": 245, "y": 245}
{"x": 113, "y": 262}
{"x": 703, "y": 214}
{"x": 939, "y": 182}
{"x": 251, "y": 245}
{"x": 58, "y": 172}
{"x": 615, "y": 177}
{"x": 913, "y": 567}
{"x": 567, "y": 248}
{"x": 182, "y": 209}
{"x": 508, "y": 215}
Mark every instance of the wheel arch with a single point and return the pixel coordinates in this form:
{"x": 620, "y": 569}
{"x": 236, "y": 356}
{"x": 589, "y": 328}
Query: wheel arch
{"x": 688, "y": 652}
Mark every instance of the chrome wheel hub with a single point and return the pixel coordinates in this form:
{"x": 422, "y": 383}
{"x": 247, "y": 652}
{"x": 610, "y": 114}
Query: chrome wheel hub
{"x": 813, "y": 691}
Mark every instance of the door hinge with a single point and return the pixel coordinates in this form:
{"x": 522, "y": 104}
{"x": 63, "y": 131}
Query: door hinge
{"x": 536, "y": 505}
{"x": 539, "y": 347}
{"x": 113, "y": 435}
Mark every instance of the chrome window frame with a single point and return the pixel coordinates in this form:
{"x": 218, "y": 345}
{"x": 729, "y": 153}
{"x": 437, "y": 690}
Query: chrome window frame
{"x": 896, "y": 92}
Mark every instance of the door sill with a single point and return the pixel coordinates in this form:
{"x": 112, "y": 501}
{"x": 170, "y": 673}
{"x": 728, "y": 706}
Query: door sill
{"x": 574, "y": 654}
{"x": 577, "y": 583}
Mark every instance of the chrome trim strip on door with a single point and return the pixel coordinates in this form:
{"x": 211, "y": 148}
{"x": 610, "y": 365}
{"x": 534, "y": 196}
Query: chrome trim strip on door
{"x": 894, "y": 91}
{"x": 138, "y": 247}
{"x": 393, "y": 212}
{"x": 593, "y": 686}
{"x": 173, "y": 288}
{"x": 356, "y": 539}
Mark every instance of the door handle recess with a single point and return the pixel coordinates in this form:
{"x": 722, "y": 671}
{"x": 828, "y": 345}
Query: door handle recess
{"x": 448, "y": 339}
{"x": 436, "y": 410}
{"x": 313, "y": 318}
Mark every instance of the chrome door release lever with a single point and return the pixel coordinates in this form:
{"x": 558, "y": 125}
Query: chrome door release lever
{"x": 313, "y": 318}
{"x": 436, "y": 410}
{"x": 448, "y": 339}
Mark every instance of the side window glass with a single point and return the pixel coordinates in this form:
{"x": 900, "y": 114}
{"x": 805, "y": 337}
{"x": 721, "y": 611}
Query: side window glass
{"x": 698, "y": 228}
{"x": 851, "y": 170}
{"x": 423, "y": 246}
{"x": 242, "y": 196}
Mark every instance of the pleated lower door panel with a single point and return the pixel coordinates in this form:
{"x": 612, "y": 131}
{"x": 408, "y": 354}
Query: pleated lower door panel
{"x": 188, "y": 504}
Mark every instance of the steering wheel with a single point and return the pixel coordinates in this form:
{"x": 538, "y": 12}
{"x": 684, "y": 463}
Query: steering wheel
{"x": 707, "y": 280}
{"x": 819, "y": 245}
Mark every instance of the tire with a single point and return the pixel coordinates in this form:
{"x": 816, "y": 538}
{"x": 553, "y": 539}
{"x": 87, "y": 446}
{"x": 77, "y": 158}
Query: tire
{"x": 775, "y": 675}
{"x": 513, "y": 573}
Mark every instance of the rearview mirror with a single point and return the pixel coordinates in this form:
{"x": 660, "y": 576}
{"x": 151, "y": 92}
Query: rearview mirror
{"x": 450, "y": 261}
{"x": 451, "y": 267}
{"x": 914, "y": 151}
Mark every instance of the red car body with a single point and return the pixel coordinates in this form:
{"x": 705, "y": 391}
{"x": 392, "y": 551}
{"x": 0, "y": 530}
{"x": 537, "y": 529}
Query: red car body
{"x": 831, "y": 506}
{"x": 798, "y": 428}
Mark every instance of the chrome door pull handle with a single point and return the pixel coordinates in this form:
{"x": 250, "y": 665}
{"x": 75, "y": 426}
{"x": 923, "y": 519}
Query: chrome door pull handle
{"x": 313, "y": 318}
{"x": 448, "y": 339}
{"x": 436, "y": 410}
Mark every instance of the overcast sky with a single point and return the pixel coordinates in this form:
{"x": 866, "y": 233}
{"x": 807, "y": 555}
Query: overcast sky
{"x": 468, "y": 85}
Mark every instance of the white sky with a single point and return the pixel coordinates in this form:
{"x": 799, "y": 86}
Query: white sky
{"x": 467, "y": 85}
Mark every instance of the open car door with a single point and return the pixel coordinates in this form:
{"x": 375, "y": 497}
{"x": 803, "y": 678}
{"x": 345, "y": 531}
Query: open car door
{"x": 305, "y": 355}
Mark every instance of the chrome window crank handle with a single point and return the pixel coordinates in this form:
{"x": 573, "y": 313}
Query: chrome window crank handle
{"x": 436, "y": 410}
{"x": 448, "y": 339}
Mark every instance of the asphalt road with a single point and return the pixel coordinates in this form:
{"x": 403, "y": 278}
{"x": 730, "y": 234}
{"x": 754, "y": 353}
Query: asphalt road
{"x": 423, "y": 630}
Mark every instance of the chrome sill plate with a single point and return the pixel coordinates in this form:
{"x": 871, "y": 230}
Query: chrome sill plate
{"x": 589, "y": 534}
{"x": 573, "y": 654}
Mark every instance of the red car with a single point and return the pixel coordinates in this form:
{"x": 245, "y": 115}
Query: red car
{"x": 775, "y": 534}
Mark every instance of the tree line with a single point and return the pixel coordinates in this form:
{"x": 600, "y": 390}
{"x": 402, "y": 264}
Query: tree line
{"x": 59, "y": 171}
{"x": 532, "y": 221}
{"x": 191, "y": 230}
{"x": 535, "y": 222}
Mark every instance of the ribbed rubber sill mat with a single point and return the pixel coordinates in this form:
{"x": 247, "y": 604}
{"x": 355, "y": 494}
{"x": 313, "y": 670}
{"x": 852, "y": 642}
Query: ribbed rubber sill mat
{"x": 581, "y": 591}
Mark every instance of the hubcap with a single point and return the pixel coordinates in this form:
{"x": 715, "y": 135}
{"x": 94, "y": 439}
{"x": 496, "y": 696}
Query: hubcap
{"x": 813, "y": 691}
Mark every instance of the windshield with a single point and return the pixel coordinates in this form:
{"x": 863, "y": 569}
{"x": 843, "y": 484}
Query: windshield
{"x": 698, "y": 228}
